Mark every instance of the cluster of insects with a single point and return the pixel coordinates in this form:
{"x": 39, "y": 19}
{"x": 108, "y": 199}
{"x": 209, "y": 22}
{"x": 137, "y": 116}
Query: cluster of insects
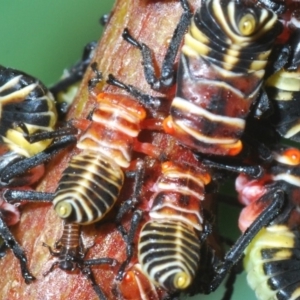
{"x": 151, "y": 164}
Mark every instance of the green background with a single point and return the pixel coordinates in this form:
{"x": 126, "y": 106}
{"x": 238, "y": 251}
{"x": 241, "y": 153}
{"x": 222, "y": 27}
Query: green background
{"x": 44, "y": 37}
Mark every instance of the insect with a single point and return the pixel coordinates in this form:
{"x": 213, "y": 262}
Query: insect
{"x": 271, "y": 259}
{"x": 282, "y": 88}
{"x": 90, "y": 185}
{"x": 27, "y": 132}
{"x": 71, "y": 253}
{"x": 27, "y": 100}
{"x": 169, "y": 244}
{"x": 216, "y": 81}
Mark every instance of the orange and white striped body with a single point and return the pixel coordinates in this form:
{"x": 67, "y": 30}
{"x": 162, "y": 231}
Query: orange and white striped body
{"x": 91, "y": 183}
{"x": 169, "y": 244}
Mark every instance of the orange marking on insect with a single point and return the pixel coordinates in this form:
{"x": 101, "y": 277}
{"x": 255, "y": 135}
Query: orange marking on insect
{"x": 168, "y": 125}
{"x": 293, "y": 155}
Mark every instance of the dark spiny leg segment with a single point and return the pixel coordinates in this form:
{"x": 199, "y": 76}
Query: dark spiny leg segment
{"x": 97, "y": 78}
{"x": 136, "y": 218}
{"x": 19, "y": 253}
{"x": 235, "y": 253}
{"x": 135, "y": 221}
{"x": 40, "y": 158}
{"x": 152, "y": 103}
{"x": 167, "y": 75}
{"x": 252, "y": 171}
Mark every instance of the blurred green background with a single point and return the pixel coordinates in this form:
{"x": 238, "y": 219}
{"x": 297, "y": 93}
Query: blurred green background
{"x": 44, "y": 37}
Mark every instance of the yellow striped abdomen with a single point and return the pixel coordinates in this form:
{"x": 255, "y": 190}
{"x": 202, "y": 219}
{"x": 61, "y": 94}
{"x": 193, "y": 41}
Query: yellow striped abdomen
{"x": 88, "y": 189}
{"x": 169, "y": 243}
{"x": 272, "y": 263}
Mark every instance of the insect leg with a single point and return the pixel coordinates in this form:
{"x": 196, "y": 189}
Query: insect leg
{"x": 13, "y": 196}
{"x": 252, "y": 171}
{"x": 136, "y": 218}
{"x": 28, "y": 163}
{"x": 87, "y": 272}
{"x": 97, "y": 77}
{"x": 130, "y": 204}
{"x": 236, "y": 252}
{"x": 167, "y": 75}
{"x": 40, "y": 136}
{"x": 264, "y": 105}
{"x": 148, "y": 101}
{"x": 104, "y": 19}
{"x": 19, "y": 253}
{"x": 135, "y": 221}
{"x": 274, "y": 6}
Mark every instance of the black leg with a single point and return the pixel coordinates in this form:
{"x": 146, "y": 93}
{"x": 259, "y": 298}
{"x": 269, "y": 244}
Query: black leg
{"x": 252, "y": 171}
{"x": 13, "y": 196}
{"x": 167, "y": 75}
{"x": 135, "y": 221}
{"x": 11, "y": 242}
{"x": 87, "y": 272}
{"x": 26, "y": 164}
{"x": 150, "y": 102}
{"x": 264, "y": 107}
{"x": 229, "y": 284}
{"x": 235, "y": 253}
{"x": 100, "y": 261}
{"x": 130, "y": 204}
{"x": 3, "y": 248}
{"x": 104, "y": 19}
{"x": 54, "y": 265}
{"x": 274, "y": 6}
{"x": 66, "y": 131}
{"x": 96, "y": 79}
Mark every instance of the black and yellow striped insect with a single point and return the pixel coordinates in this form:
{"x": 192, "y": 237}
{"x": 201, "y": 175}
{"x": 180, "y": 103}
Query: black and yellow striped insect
{"x": 272, "y": 258}
{"x": 283, "y": 90}
{"x": 27, "y": 131}
{"x": 91, "y": 183}
{"x": 220, "y": 73}
{"x": 28, "y": 120}
{"x": 172, "y": 250}
{"x": 169, "y": 244}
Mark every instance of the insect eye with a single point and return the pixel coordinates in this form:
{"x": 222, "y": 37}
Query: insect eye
{"x": 247, "y": 24}
{"x": 293, "y": 156}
